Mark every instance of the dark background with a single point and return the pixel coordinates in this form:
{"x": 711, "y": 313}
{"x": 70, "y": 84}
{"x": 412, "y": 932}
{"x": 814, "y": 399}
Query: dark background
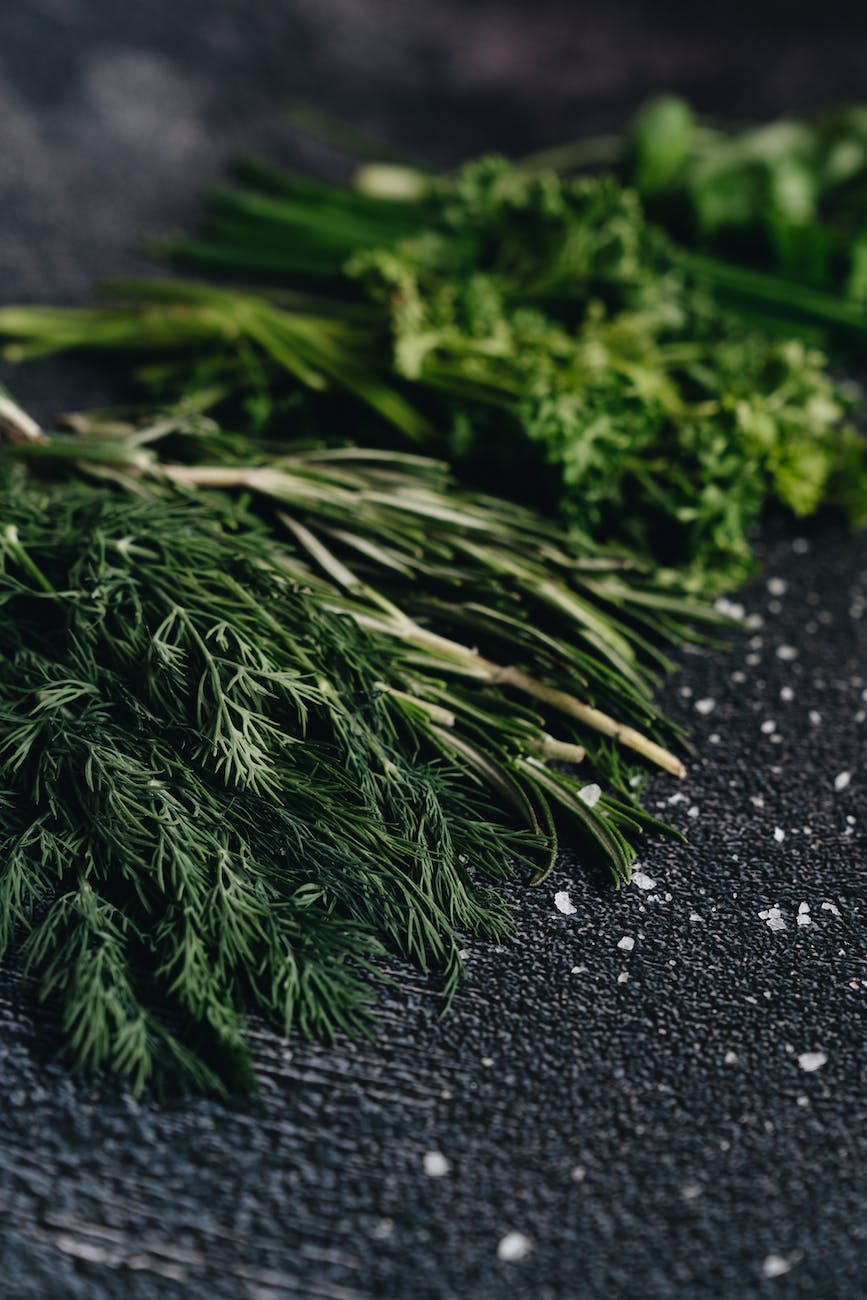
{"x": 652, "y": 1136}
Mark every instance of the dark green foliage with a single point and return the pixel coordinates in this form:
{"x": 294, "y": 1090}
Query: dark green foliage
{"x": 776, "y": 210}
{"x": 271, "y": 711}
{"x": 536, "y": 330}
{"x": 235, "y": 773}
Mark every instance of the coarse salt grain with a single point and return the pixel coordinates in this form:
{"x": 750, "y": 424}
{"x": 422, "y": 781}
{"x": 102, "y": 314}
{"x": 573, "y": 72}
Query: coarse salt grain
{"x": 515, "y": 1245}
{"x": 435, "y": 1164}
{"x": 779, "y": 834}
{"x": 775, "y": 1266}
{"x": 627, "y": 943}
{"x": 810, "y": 1061}
{"x": 642, "y": 880}
{"x": 590, "y": 794}
{"x": 841, "y": 780}
{"x": 787, "y": 653}
{"x": 563, "y": 903}
{"x": 705, "y": 706}
{"x": 777, "y": 586}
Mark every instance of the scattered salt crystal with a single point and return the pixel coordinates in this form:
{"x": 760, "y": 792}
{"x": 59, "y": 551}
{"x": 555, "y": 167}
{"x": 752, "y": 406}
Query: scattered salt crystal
{"x": 694, "y": 916}
{"x": 810, "y": 1061}
{"x": 705, "y": 706}
{"x": 487, "y": 1062}
{"x": 804, "y": 917}
{"x": 832, "y": 908}
{"x": 627, "y": 943}
{"x": 623, "y": 977}
{"x": 435, "y": 1164}
{"x": 590, "y": 794}
{"x": 578, "y": 970}
{"x": 787, "y": 694}
{"x": 755, "y": 621}
{"x": 769, "y": 726}
{"x": 815, "y": 717}
{"x": 690, "y": 1191}
{"x": 787, "y": 653}
{"x": 729, "y": 608}
{"x": 642, "y": 880}
{"x": 779, "y": 834}
{"x": 579, "y": 1173}
{"x": 731, "y": 1058}
{"x": 693, "y": 811}
{"x": 841, "y": 780}
{"x": 777, "y": 586}
{"x": 515, "y": 1245}
{"x": 775, "y": 1265}
{"x": 773, "y": 918}
{"x": 676, "y": 798}
{"x": 563, "y": 903}
{"x": 757, "y": 800}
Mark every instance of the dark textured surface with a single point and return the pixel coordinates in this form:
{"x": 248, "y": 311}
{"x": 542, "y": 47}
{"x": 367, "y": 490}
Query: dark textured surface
{"x": 640, "y": 1115}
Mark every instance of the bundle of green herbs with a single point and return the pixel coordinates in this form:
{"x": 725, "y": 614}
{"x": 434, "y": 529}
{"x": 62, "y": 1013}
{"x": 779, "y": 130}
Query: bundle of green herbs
{"x": 282, "y": 698}
{"x": 535, "y": 330}
{"x": 268, "y": 715}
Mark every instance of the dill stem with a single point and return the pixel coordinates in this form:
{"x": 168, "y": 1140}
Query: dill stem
{"x": 506, "y": 675}
{"x": 20, "y": 555}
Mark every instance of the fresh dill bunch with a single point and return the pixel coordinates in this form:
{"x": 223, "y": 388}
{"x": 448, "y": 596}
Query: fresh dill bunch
{"x": 214, "y": 804}
{"x": 269, "y": 717}
{"x": 535, "y": 329}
